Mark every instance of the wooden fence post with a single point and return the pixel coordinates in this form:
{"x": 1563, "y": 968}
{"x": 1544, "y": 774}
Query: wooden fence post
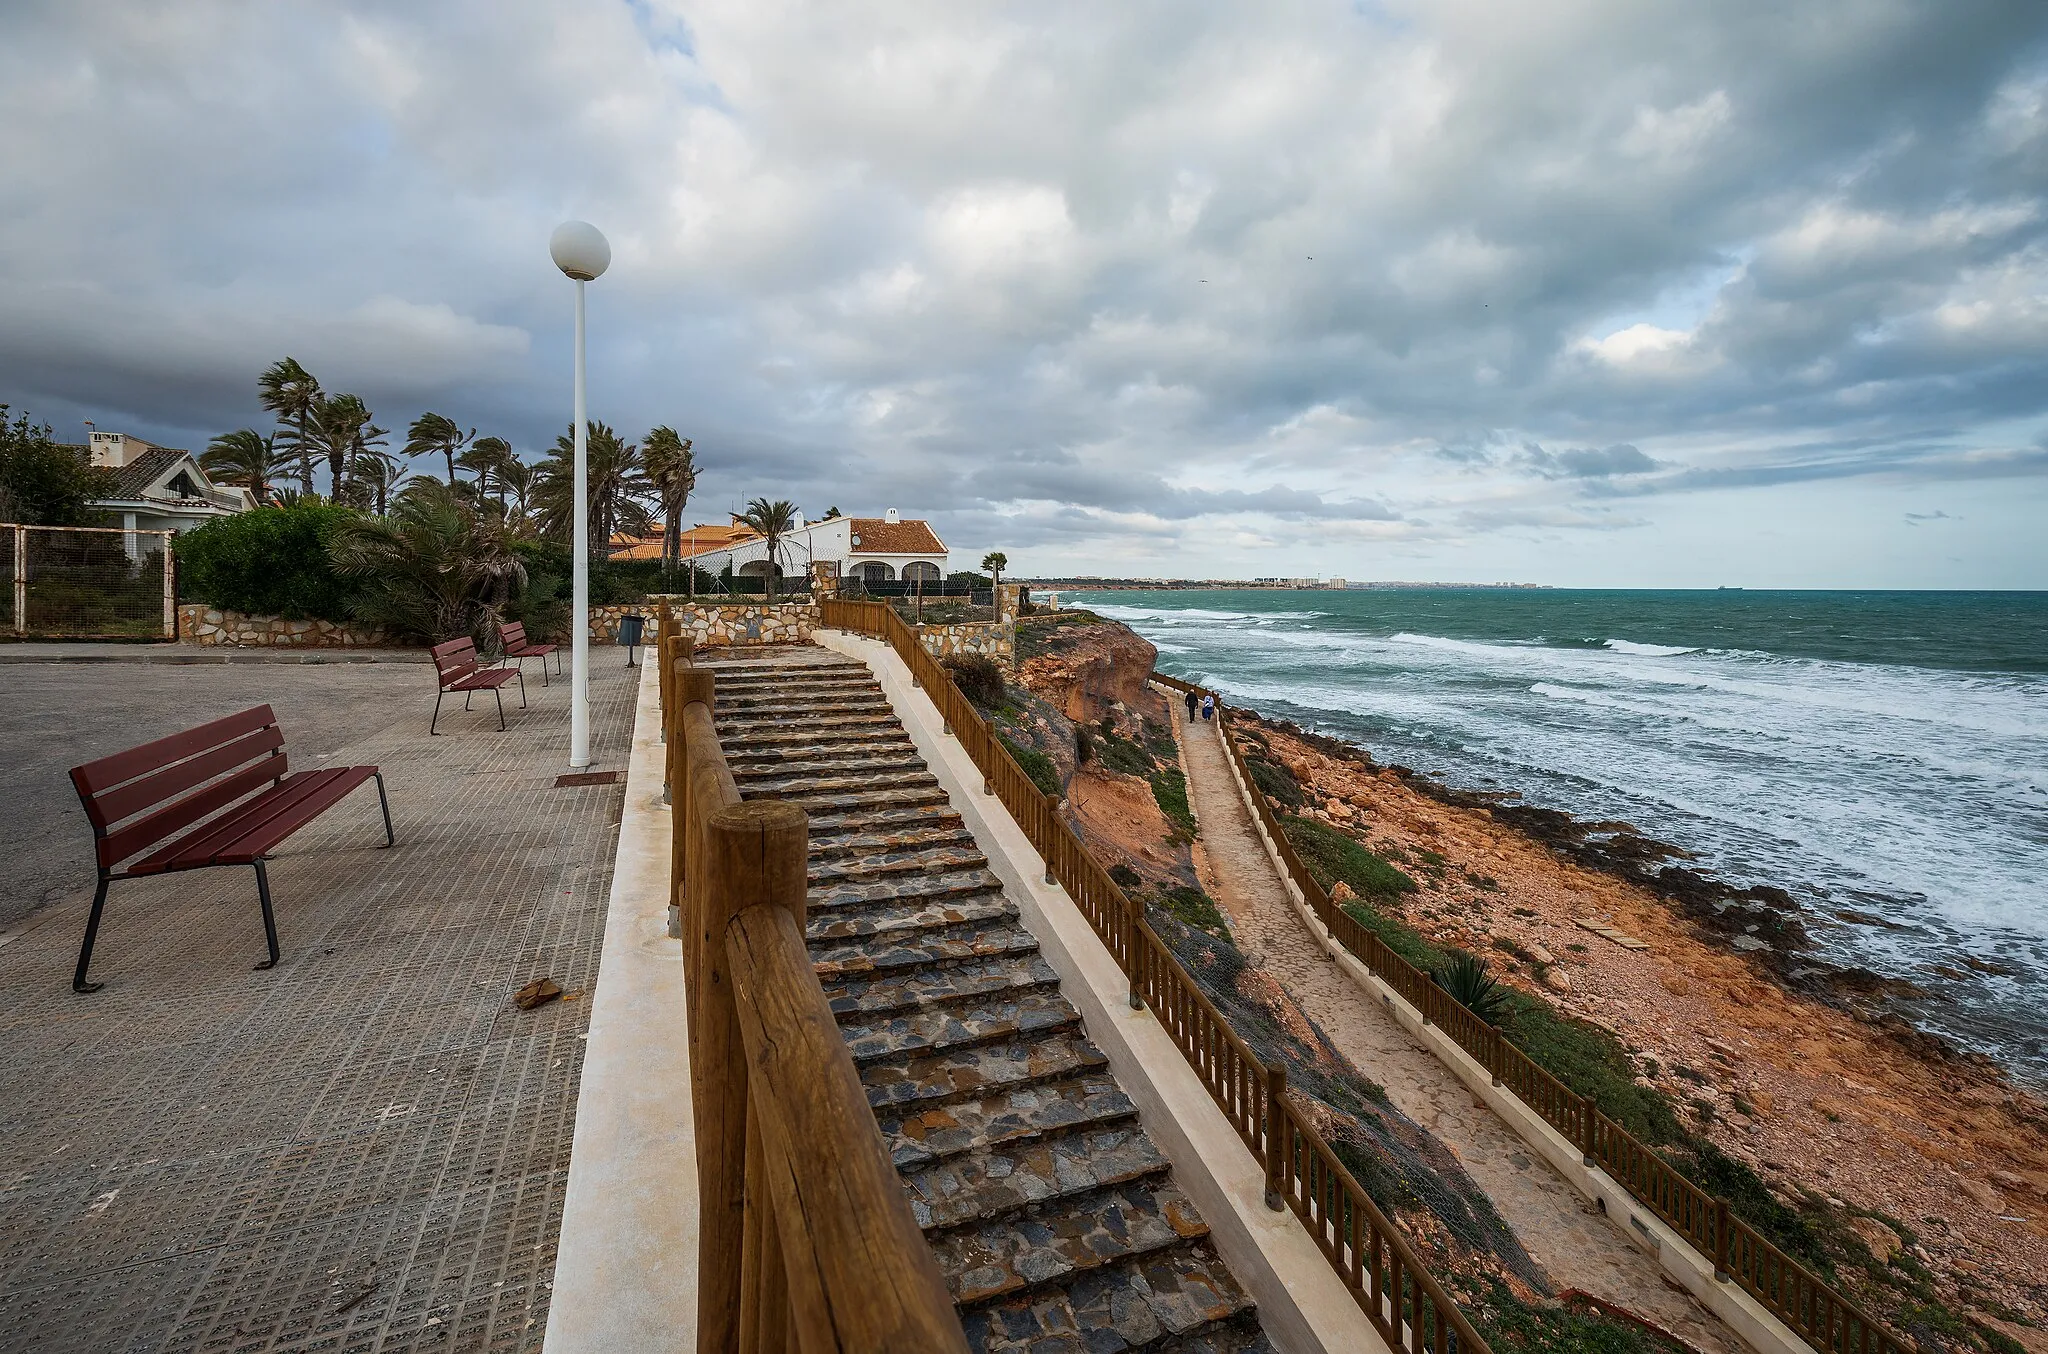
{"x": 1497, "y": 1063}
{"x": 1134, "y": 951}
{"x": 1721, "y": 1239}
{"x": 755, "y": 853}
{"x": 1587, "y": 1111}
{"x": 1277, "y": 1135}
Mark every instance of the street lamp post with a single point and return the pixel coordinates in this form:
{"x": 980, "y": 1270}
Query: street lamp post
{"x": 581, "y": 252}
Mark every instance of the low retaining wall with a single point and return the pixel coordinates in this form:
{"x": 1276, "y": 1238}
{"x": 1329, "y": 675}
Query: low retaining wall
{"x": 989, "y": 639}
{"x": 210, "y": 627}
{"x": 717, "y": 623}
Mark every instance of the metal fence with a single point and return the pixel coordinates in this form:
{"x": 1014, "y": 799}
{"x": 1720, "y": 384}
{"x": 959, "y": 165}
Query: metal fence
{"x": 88, "y": 582}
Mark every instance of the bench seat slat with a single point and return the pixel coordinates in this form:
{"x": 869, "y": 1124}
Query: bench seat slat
{"x": 273, "y": 815}
{"x": 111, "y": 806}
{"x": 152, "y": 828}
{"x": 105, "y": 772}
{"x": 483, "y": 679}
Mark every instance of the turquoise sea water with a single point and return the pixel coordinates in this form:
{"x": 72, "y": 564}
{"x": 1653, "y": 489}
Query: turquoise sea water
{"x": 1877, "y": 753}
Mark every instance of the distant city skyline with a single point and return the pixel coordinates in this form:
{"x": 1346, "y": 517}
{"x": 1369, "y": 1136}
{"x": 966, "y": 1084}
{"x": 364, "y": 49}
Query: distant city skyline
{"x": 1589, "y": 294}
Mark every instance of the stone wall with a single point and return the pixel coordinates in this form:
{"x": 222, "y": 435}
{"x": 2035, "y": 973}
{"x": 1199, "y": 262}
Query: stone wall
{"x": 713, "y": 624}
{"x": 213, "y": 628}
{"x": 990, "y": 639}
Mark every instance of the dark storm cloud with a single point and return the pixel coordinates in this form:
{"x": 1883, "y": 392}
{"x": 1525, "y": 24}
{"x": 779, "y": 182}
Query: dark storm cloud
{"x": 1129, "y": 280}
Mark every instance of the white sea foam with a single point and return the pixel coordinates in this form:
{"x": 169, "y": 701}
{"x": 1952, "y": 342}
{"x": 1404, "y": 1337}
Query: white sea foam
{"x": 1648, "y": 650}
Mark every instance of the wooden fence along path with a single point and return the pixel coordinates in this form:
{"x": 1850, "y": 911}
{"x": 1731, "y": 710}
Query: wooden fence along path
{"x": 1814, "y": 1311}
{"x": 1404, "y": 1302}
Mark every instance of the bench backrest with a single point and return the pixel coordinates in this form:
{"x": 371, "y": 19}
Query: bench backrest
{"x": 512, "y": 636}
{"x": 455, "y": 659}
{"x": 147, "y": 794}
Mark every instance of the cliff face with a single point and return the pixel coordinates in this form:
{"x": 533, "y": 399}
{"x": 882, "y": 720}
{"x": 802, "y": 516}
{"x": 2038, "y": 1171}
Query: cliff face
{"x": 1087, "y": 667}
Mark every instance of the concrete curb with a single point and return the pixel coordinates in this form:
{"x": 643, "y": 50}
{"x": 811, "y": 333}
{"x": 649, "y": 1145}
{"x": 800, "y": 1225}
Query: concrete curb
{"x": 1751, "y": 1322}
{"x": 1303, "y": 1305}
{"x": 626, "y": 1264}
{"x": 182, "y": 654}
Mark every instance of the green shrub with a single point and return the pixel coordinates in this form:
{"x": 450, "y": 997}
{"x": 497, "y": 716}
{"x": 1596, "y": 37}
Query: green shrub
{"x": 978, "y": 677}
{"x": 1276, "y": 781}
{"x": 43, "y": 483}
{"x": 1591, "y": 1061}
{"x": 1170, "y": 792}
{"x": 1192, "y": 907}
{"x": 1119, "y": 753}
{"x": 1035, "y": 764}
{"x": 1123, "y": 876}
{"x": 269, "y": 562}
{"x": 1334, "y": 857}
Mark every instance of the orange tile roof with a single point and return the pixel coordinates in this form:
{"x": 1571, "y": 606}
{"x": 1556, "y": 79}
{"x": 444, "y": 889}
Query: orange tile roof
{"x": 697, "y": 540}
{"x": 880, "y": 536}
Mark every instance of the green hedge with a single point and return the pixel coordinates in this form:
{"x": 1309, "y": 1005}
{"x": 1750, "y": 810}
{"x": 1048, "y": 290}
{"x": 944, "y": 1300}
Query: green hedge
{"x": 267, "y": 562}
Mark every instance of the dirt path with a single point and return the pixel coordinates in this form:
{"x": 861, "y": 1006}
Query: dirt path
{"x": 1568, "y": 1236}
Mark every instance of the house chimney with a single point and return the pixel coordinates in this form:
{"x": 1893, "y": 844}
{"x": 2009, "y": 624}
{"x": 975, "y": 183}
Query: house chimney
{"x": 892, "y": 516}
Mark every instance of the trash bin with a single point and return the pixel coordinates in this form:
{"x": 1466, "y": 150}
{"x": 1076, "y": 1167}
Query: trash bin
{"x": 632, "y": 631}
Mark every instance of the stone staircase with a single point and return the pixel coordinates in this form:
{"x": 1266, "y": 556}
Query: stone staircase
{"x": 1054, "y": 1217}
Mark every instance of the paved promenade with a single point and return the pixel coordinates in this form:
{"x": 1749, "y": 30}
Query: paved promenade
{"x": 1568, "y": 1236}
{"x": 363, "y": 1149}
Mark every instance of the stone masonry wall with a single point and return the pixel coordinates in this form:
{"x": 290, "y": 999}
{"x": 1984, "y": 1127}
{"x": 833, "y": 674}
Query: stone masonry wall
{"x": 713, "y": 624}
{"x": 990, "y": 639}
{"x": 212, "y": 628}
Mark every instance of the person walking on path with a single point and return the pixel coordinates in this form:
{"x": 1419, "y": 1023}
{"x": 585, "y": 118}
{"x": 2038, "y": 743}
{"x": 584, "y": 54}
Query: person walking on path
{"x": 1193, "y": 703}
{"x": 1208, "y": 708}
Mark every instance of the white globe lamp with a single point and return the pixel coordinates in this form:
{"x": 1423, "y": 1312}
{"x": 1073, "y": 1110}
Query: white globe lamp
{"x": 580, "y": 250}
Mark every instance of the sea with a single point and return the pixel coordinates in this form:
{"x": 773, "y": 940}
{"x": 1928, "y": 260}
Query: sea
{"x": 1883, "y": 756}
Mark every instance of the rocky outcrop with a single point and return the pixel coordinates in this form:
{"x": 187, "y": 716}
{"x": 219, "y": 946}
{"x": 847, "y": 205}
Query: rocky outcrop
{"x": 1086, "y": 666}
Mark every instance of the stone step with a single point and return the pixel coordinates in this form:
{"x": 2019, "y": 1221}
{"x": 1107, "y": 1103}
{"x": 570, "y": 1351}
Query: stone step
{"x": 891, "y": 927}
{"x": 820, "y": 694}
{"x": 909, "y": 834}
{"x": 1120, "y": 1224}
{"x": 1034, "y": 1176}
{"x": 802, "y": 672}
{"x": 943, "y": 857}
{"x": 935, "y": 1029}
{"x": 1237, "y": 1335}
{"x": 928, "y": 794}
{"x": 865, "y": 999}
{"x": 1142, "y": 1304}
{"x": 918, "y": 1084}
{"x": 854, "y": 894}
{"x": 835, "y": 824}
{"x": 739, "y": 727}
{"x": 775, "y": 737}
{"x": 769, "y": 704}
{"x": 821, "y": 754}
{"x": 1078, "y": 1104}
{"x": 798, "y": 780}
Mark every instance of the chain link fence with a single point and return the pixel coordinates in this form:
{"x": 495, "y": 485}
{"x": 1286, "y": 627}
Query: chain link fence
{"x": 88, "y": 582}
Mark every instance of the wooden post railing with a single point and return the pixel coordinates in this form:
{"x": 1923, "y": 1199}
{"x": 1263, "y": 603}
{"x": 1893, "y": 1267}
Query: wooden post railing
{"x": 1814, "y": 1311}
{"x": 1404, "y": 1302}
{"x": 806, "y": 1240}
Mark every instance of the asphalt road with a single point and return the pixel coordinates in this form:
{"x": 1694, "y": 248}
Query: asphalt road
{"x": 57, "y": 715}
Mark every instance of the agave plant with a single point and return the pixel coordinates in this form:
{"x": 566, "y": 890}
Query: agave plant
{"x": 436, "y": 568}
{"x": 1467, "y": 981}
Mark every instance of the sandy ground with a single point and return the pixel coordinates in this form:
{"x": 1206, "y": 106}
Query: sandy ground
{"x": 1573, "y": 1241}
{"x": 1809, "y": 1095}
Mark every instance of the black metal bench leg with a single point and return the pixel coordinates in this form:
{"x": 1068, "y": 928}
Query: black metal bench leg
{"x": 522, "y": 686}
{"x": 269, "y": 920}
{"x": 384, "y": 804}
{"x": 500, "y": 694}
{"x": 437, "y": 711}
{"x": 92, "y": 930}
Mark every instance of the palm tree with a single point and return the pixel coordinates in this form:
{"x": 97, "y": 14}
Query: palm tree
{"x": 342, "y": 430}
{"x": 245, "y": 457}
{"x": 431, "y": 433}
{"x": 517, "y": 477}
{"x": 614, "y": 482}
{"x": 486, "y": 459}
{"x": 379, "y": 473}
{"x": 289, "y": 392}
{"x": 993, "y": 564}
{"x": 672, "y": 472}
{"x": 435, "y": 569}
{"x": 772, "y": 522}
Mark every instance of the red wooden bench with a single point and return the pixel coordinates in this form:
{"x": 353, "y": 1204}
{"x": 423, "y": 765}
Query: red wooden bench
{"x": 512, "y": 640}
{"x": 457, "y": 664}
{"x": 220, "y": 794}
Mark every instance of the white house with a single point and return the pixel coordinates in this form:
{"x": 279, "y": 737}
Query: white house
{"x": 883, "y": 549}
{"x": 161, "y": 488}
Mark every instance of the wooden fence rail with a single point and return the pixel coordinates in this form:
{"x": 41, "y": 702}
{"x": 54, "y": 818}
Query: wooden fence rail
{"x": 806, "y": 1239}
{"x": 1404, "y": 1302}
{"x": 1814, "y": 1311}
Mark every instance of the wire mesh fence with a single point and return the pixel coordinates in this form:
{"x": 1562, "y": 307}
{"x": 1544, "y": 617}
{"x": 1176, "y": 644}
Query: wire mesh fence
{"x": 88, "y": 582}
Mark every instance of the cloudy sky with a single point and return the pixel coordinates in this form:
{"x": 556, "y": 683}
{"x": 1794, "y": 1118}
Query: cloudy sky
{"x": 1611, "y": 292}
